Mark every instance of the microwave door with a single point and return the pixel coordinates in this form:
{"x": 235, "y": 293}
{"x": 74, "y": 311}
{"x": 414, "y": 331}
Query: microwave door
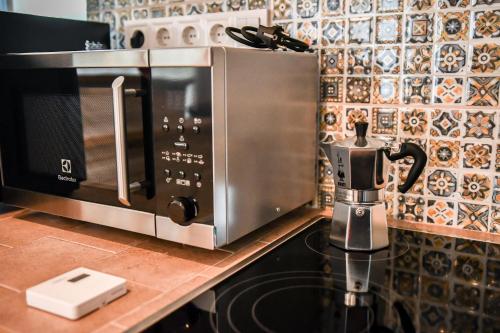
{"x": 78, "y": 127}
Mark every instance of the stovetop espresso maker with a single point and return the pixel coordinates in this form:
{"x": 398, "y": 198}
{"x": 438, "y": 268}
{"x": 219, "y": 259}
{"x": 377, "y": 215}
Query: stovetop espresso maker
{"x": 360, "y": 171}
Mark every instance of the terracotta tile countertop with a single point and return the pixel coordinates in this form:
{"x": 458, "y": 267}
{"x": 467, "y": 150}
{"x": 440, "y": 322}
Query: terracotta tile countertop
{"x": 161, "y": 275}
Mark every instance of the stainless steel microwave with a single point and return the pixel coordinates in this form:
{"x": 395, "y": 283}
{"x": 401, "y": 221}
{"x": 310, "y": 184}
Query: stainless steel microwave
{"x": 197, "y": 145}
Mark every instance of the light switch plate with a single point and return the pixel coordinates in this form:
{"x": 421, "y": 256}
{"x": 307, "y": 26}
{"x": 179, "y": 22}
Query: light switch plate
{"x": 76, "y": 293}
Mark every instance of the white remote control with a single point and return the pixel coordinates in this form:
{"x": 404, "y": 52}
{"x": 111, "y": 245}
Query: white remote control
{"x": 76, "y": 293}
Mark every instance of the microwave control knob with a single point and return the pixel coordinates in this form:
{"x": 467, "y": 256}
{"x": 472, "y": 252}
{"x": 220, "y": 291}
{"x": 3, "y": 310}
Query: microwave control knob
{"x": 181, "y": 210}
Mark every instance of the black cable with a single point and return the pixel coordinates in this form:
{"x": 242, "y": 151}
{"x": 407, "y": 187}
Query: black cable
{"x": 230, "y": 31}
{"x": 267, "y": 37}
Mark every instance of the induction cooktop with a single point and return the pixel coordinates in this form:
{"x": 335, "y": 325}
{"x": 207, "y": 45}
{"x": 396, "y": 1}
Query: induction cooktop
{"x": 420, "y": 283}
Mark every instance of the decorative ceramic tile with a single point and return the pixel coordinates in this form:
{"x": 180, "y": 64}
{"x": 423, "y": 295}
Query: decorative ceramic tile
{"x": 360, "y": 30}
{"x": 475, "y": 187}
{"x": 388, "y": 29}
{"x": 360, "y": 6}
{"x": 436, "y": 263}
{"x": 496, "y": 190}
{"x": 419, "y": 28}
{"x": 358, "y": 90}
{"x": 92, "y": 5}
{"x": 453, "y": 26}
{"x": 445, "y": 4}
{"x": 93, "y": 16}
{"x": 386, "y": 90}
{"x": 158, "y": 12}
{"x": 411, "y": 208}
{"x": 387, "y": 60}
{"x": 140, "y": 3}
{"x": 307, "y": 8}
{"x": 485, "y": 2}
{"x": 444, "y": 154}
{"x": 307, "y": 31}
{"x": 418, "y": 187}
{"x": 419, "y": 4}
{"x": 405, "y": 283}
{"x": 470, "y": 246}
{"x": 476, "y": 155}
{"x": 485, "y": 58}
{"x": 417, "y": 90}
{"x": 448, "y": 90}
{"x": 123, "y": 3}
{"x": 441, "y": 212}
{"x": 450, "y": 58}
{"x": 385, "y": 121}
{"x": 408, "y": 237}
{"x": 418, "y": 60}
{"x": 479, "y": 124}
{"x": 442, "y": 183}
{"x": 414, "y": 122}
{"x": 178, "y": 9}
{"x": 333, "y": 32}
{"x": 408, "y": 258}
{"x": 282, "y": 9}
{"x": 493, "y": 273}
{"x": 389, "y": 6}
{"x": 465, "y": 321}
{"x": 433, "y": 318}
{"x": 109, "y": 18}
{"x": 257, "y": 4}
{"x": 492, "y": 303}
{"x": 107, "y": 4}
{"x": 486, "y": 24}
{"x": 438, "y": 241}
{"x": 468, "y": 268}
{"x": 495, "y": 225}
{"x": 466, "y": 297}
{"x": 332, "y": 61}
{"x": 331, "y": 89}
{"x": 330, "y": 122}
{"x": 196, "y": 8}
{"x": 215, "y": 6}
{"x": 359, "y": 60}
{"x": 333, "y": 7}
{"x": 354, "y": 115}
{"x": 236, "y": 5}
{"x": 126, "y": 15}
{"x": 435, "y": 290}
{"x": 472, "y": 216}
{"x": 483, "y": 91}
{"x": 497, "y": 159}
{"x": 446, "y": 123}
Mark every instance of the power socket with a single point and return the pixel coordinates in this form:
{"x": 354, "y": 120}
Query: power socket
{"x": 189, "y": 31}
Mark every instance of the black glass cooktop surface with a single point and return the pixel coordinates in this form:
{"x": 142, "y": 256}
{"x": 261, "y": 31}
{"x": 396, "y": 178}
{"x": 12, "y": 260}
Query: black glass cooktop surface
{"x": 421, "y": 283}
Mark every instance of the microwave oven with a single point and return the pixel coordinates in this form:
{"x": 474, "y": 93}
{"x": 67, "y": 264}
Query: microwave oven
{"x": 196, "y": 145}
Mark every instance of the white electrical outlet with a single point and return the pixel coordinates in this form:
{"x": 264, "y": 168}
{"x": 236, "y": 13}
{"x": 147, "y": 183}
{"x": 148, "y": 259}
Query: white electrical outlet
{"x": 189, "y": 31}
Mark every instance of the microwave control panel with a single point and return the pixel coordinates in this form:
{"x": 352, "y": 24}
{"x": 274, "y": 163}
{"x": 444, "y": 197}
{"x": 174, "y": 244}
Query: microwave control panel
{"x": 182, "y": 109}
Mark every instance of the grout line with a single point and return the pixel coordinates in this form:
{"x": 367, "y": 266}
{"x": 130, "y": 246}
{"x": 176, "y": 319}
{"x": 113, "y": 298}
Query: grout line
{"x": 10, "y": 288}
{"x": 7, "y": 246}
{"x": 82, "y": 244}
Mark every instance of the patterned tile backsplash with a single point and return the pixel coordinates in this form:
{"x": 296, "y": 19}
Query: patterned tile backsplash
{"x": 421, "y": 71}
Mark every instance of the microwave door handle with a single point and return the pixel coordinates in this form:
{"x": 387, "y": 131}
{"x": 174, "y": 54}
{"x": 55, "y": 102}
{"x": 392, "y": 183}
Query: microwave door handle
{"x": 121, "y": 140}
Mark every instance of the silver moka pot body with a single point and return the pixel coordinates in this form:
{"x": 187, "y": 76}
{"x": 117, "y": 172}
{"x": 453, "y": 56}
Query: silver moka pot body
{"x": 360, "y": 171}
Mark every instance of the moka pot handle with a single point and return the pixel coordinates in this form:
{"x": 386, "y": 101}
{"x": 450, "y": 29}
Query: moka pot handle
{"x": 420, "y": 159}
